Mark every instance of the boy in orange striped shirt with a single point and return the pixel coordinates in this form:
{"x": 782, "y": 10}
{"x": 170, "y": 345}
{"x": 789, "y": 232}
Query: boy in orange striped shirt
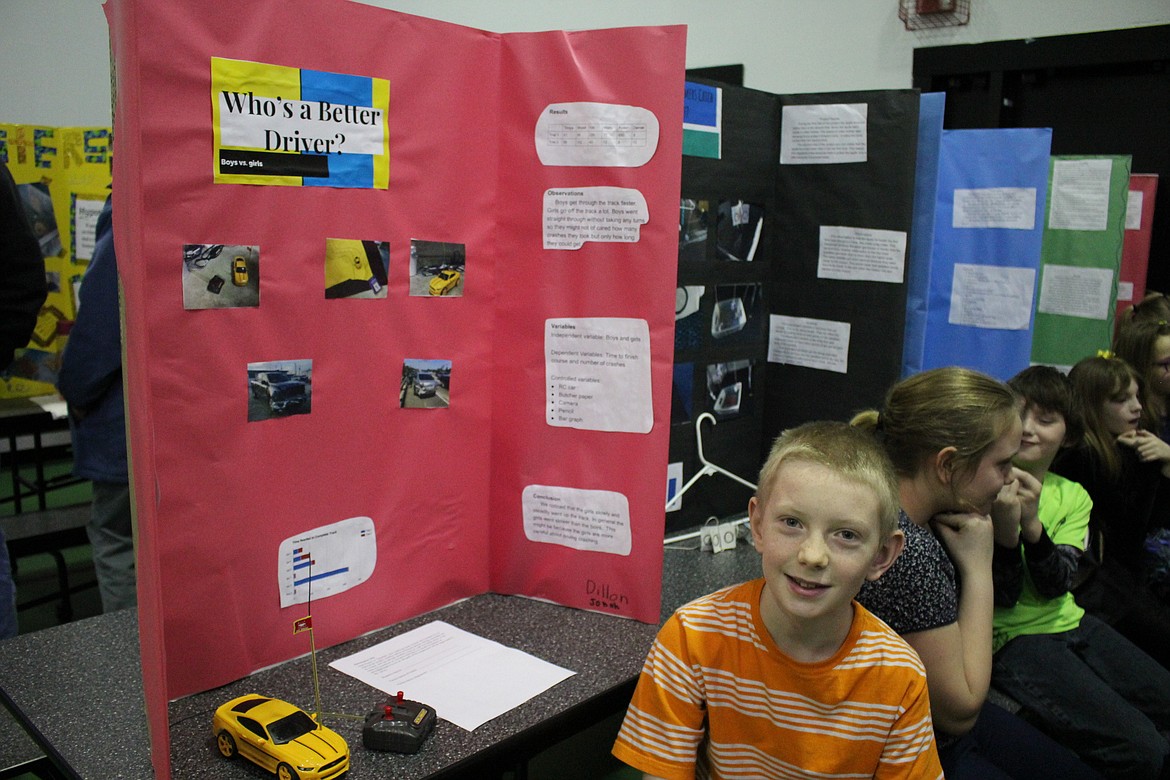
{"x": 787, "y": 676}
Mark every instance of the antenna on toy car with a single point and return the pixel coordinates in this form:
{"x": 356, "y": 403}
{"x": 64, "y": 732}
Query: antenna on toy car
{"x": 306, "y": 624}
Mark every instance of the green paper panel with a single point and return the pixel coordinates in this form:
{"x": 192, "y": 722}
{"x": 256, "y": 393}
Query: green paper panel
{"x": 1084, "y": 224}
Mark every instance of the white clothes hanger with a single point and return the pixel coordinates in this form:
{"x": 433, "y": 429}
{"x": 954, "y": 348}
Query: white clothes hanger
{"x": 709, "y": 468}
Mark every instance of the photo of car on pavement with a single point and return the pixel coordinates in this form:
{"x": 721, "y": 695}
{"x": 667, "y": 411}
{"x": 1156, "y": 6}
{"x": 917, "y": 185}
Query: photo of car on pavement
{"x": 426, "y": 384}
{"x": 279, "y": 389}
{"x": 437, "y": 268}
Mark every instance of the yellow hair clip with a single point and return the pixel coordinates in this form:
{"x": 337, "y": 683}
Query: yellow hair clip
{"x": 1105, "y": 353}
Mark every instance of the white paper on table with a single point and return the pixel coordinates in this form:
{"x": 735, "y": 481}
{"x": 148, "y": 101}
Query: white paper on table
{"x": 467, "y": 679}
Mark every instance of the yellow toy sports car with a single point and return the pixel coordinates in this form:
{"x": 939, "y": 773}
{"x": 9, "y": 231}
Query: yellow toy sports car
{"x": 444, "y": 282}
{"x": 239, "y": 271}
{"x": 280, "y": 737}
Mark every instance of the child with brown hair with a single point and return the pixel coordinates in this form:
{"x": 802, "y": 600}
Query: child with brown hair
{"x": 1123, "y": 468}
{"x": 951, "y": 434}
{"x": 787, "y": 675}
{"x": 1078, "y": 679}
{"x": 1145, "y": 345}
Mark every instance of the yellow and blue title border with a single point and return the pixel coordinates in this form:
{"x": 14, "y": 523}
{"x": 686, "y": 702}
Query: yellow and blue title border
{"x": 279, "y": 125}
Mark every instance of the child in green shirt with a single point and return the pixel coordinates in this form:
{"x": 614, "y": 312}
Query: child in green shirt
{"x": 1076, "y": 678}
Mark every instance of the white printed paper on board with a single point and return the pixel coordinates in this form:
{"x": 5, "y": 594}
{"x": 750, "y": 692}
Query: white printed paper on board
{"x": 1080, "y": 194}
{"x": 593, "y": 520}
{"x": 861, "y": 254}
{"x": 597, "y": 372}
{"x": 1013, "y": 208}
{"x": 812, "y": 343}
{"x": 326, "y": 560}
{"x": 1076, "y": 292}
{"x": 985, "y": 296}
{"x": 1133, "y": 210}
{"x": 596, "y": 134}
{"x": 824, "y": 134}
{"x": 85, "y": 217}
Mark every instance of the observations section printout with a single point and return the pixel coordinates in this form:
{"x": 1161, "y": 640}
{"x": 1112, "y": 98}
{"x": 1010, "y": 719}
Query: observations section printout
{"x": 597, "y": 373}
{"x": 573, "y": 216}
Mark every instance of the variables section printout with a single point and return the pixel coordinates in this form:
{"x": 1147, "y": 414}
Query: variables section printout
{"x": 597, "y": 373}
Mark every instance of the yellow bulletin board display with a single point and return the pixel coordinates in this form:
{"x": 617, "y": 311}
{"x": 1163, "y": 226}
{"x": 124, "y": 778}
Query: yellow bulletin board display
{"x": 63, "y": 175}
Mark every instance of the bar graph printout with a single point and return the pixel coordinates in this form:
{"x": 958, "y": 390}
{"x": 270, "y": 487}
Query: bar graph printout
{"x": 331, "y": 559}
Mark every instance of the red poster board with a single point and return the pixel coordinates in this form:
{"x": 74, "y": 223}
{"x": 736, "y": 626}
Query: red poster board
{"x": 274, "y": 435}
{"x": 1135, "y": 246}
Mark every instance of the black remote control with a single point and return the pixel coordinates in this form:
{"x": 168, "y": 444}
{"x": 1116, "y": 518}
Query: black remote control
{"x": 399, "y": 727}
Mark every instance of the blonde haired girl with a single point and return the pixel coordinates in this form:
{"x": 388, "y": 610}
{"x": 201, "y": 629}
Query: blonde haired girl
{"x": 951, "y": 434}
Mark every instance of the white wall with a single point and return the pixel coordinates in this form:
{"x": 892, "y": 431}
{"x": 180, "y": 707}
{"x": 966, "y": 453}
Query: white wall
{"x": 54, "y": 54}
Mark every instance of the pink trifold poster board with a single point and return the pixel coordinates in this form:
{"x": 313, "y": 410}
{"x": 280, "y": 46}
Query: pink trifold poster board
{"x": 1135, "y": 245}
{"x": 398, "y": 320}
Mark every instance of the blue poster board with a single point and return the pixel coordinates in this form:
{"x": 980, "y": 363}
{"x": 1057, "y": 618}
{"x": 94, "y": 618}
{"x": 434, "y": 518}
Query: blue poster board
{"x": 930, "y": 127}
{"x": 984, "y": 254}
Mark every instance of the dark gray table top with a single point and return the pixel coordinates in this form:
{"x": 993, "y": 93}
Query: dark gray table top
{"x": 79, "y": 685}
{"x": 16, "y": 746}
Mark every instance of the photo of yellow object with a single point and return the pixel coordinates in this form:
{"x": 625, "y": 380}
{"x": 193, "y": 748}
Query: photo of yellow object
{"x": 356, "y": 269}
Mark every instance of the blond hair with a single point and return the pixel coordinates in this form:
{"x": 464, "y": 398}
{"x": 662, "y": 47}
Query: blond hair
{"x": 944, "y": 407}
{"x": 849, "y": 452}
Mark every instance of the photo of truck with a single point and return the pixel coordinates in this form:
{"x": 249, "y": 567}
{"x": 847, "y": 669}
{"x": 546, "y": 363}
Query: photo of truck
{"x": 278, "y": 389}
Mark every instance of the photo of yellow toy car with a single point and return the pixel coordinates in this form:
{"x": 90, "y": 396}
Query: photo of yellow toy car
{"x": 444, "y": 282}
{"x": 239, "y": 271}
{"x": 280, "y": 737}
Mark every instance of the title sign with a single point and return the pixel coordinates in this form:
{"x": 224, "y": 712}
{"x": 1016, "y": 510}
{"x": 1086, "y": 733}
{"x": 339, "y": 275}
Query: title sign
{"x": 295, "y": 127}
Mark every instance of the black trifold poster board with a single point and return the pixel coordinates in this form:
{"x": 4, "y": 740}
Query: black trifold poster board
{"x": 749, "y": 247}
